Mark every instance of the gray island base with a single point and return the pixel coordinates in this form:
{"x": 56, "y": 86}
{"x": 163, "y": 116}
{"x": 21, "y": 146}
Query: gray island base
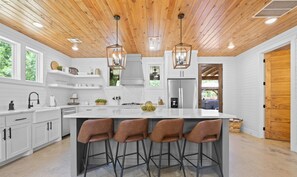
{"x": 191, "y": 117}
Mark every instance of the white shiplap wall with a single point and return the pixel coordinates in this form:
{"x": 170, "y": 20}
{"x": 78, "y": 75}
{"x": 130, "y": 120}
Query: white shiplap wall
{"x": 19, "y": 91}
{"x": 250, "y": 92}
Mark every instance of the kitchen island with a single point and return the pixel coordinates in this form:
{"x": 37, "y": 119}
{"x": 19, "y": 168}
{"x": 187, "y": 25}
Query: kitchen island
{"x": 191, "y": 116}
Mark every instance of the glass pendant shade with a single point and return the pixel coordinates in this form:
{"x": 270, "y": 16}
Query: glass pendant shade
{"x": 116, "y": 54}
{"x": 181, "y": 56}
{"x": 181, "y": 53}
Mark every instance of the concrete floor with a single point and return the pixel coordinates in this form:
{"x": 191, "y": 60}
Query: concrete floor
{"x": 249, "y": 157}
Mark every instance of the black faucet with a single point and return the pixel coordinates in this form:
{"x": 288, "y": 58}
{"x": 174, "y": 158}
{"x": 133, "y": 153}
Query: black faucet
{"x": 29, "y": 100}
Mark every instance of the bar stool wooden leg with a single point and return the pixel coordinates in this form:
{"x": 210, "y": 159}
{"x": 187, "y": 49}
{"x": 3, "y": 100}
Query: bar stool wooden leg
{"x": 123, "y": 162}
{"x": 180, "y": 157}
{"x": 112, "y": 160}
{"x": 218, "y": 159}
{"x": 160, "y": 159}
{"x": 145, "y": 156}
{"x": 86, "y": 160}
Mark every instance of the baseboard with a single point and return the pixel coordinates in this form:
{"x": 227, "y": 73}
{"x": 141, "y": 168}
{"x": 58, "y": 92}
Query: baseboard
{"x": 250, "y": 132}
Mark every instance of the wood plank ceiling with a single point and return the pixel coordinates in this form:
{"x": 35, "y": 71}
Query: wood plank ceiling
{"x": 209, "y": 25}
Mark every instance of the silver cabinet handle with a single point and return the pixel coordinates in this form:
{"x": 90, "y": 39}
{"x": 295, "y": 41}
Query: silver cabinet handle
{"x": 182, "y": 97}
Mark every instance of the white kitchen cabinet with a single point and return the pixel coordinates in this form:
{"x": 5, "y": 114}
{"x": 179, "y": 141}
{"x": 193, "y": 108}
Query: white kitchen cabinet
{"x": 190, "y": 72}
{"x": 40, "y": 134}
{"x": 55, "y": 130}
{"x": 2, "y": 144}
{"x": 18, "y": 139}
{"x": 46, "y": 132}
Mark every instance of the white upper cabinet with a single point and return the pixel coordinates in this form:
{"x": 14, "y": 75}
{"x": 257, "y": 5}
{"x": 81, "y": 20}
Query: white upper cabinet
{"x": 190, "y": 72}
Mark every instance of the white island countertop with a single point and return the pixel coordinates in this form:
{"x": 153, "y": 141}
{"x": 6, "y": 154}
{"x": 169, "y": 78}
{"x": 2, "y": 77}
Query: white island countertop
{"x": 158, "y": 113}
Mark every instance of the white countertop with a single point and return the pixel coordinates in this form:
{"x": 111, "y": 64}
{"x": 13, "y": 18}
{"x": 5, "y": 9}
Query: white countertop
{"x": 19, "y": 111}
{"x": 159, "y": 113}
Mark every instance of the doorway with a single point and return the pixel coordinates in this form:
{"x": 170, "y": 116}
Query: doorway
{"x": 210, "y": 86}
{"x": 278, "y": 94}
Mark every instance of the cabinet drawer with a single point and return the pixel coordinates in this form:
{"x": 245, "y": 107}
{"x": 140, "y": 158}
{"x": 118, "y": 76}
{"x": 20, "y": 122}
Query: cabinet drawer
{"x": 2, "y": 121}
{"x": 17, "y": 119}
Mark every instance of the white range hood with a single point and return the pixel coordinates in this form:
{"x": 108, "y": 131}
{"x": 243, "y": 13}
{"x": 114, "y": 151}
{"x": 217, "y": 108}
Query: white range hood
{"x": 133, "y": 74}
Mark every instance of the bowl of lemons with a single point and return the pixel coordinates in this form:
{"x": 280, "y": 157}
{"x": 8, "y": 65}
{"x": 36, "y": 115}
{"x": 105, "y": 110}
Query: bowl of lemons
{"x": 148, "y": 107}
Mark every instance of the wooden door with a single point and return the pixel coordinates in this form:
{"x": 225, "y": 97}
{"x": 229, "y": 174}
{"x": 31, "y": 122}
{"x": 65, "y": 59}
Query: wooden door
{"x": 278, "y": 94}
{"x": 18, "y": 140}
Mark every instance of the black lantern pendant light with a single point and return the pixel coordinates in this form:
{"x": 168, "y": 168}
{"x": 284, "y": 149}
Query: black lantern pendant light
{"x": 181, "y": 53}
{"x": 116, "y": 54}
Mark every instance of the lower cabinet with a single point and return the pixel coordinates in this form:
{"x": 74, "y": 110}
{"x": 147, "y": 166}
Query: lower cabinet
{"x": 45, "y": 132}
{"x": 18, "y": 140}
{"x": 2, "y": 144}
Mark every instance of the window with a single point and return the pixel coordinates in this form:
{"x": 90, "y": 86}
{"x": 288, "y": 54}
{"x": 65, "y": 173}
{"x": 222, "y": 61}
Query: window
{"x": 154, "y": 80}
{"x": 114, "y": 77}
{"x": 6, "y": 59}
{"x": 33, "y": 65}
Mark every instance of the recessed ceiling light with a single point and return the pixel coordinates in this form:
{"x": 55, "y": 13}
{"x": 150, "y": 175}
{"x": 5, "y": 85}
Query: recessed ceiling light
{"x": 39, "y": 25}
{"x": 231, "y": 45}
{"x": 270, "y": 21}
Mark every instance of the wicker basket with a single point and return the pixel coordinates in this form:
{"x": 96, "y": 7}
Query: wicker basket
{"x": 100, "y": 103}
{"x": 235, "y": 125}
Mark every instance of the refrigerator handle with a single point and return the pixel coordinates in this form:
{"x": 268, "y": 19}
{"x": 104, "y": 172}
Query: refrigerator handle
{"x": 182, "y": 97}
{"x": 179, "y": 97}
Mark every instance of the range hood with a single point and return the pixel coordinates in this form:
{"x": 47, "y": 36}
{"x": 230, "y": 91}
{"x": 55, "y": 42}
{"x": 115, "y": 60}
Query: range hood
{"x": 133, "y": 74}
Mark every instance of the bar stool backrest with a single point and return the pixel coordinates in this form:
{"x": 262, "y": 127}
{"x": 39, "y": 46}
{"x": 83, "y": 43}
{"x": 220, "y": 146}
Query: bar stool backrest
{"x": 206, "y": 131}
{"x": 130, "y": 128}
{"x": 95, "y": 127}
{"x": 167, "y": 128}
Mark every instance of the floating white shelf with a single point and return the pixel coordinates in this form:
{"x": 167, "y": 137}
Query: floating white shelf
{"x": 72, "y": 87}
{"x": 57, "y": 72}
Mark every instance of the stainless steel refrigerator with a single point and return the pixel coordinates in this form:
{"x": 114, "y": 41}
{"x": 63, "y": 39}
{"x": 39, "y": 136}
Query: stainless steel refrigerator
{"x": 182, "y": 93}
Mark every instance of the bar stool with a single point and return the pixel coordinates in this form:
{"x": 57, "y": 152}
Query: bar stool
{"x": 96, "y": 131}
{"x": 131, "y": 131}
{"x": 167, "y": 131}
{"x": 204, "y": 132}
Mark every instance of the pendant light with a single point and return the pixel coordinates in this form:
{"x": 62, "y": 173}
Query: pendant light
{"x": 116, "y": 54}
{"x": 181, "y": 53}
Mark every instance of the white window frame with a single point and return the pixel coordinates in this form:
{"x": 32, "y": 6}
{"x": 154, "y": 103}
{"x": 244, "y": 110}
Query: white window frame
{"x": 147, "y": 75}
{"x": 39, "y": 65}
{"x": 16, "y": 62}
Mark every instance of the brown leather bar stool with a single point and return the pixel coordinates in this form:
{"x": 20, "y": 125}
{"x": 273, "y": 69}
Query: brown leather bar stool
{"x": 95, "y": 131}
{"x": 167, "y": 131}
{"x": 134, "y": 130}
{"x": 204, "y": 132}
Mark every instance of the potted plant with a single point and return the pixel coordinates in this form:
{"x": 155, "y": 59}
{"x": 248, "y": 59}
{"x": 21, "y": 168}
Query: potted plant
{"x": 60, "y": 68}
{"x": 100, "y": 101}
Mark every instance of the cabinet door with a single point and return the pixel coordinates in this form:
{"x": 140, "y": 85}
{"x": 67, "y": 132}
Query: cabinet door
{"x": 2, "y": 145}
{"x": 55, "y": 129}
{"x": 18, "y": 140}
{"x": 171, "y": 72}
{"x": 40, "y": 133}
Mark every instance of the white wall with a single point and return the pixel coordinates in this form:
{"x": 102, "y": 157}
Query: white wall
{"x": 229, "y": 81}
{"x": 127, "y": 93}
{"x": 250, "y": 71}
{"x": 19, "y": 91}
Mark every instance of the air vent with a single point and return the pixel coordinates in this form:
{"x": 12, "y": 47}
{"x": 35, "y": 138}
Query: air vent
{"x": 276, "y": 8}
{"x": 74, "y": 40}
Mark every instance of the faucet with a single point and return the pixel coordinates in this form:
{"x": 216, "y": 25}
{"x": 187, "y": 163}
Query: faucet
{"x": 29, "y": 100}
